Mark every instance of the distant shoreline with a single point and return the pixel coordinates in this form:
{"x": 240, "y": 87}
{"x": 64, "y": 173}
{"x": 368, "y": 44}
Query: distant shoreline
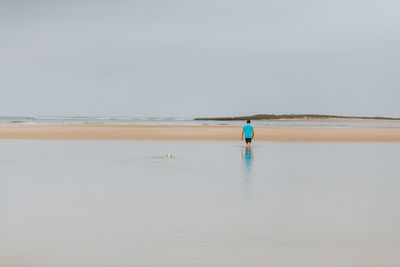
{"x": 298, "y": 117}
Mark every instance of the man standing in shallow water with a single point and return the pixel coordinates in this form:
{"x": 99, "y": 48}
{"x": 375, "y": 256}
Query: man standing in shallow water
{"x": 248, "y": 132}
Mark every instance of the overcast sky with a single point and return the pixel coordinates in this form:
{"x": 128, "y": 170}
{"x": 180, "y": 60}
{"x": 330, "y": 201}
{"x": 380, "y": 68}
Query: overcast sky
{"x": 199, "y": 58}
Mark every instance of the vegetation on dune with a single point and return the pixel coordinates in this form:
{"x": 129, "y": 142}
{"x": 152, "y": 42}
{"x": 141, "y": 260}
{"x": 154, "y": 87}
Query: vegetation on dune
{"x": 291, "y": 116}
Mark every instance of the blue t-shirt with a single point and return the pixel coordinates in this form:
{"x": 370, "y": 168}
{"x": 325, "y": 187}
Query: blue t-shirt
{"x": 248, "y": 131}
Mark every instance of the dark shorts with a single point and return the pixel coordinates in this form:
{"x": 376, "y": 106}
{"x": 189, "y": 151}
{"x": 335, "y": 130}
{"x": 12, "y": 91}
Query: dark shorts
{"x": 248, "y": 140}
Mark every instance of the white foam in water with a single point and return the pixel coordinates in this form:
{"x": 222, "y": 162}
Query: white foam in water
{"x": 124, "y": 203}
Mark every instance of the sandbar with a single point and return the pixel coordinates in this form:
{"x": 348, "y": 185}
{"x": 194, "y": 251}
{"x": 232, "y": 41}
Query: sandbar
{"x": 197, "y": 132}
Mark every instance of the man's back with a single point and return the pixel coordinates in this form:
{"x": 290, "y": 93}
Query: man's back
{"x": 248, "y": 131}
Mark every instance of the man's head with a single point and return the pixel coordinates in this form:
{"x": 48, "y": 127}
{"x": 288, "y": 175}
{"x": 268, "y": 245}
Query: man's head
{"x": 248, "y": 121}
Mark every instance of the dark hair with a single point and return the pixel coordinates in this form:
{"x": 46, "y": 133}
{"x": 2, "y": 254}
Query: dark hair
{"x": 248, "y": 121}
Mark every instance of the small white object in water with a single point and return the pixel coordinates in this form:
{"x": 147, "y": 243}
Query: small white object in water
{"x": 169, "y": 155}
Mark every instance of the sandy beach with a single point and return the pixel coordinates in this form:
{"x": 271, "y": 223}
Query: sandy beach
{"x": 197, "y": 132}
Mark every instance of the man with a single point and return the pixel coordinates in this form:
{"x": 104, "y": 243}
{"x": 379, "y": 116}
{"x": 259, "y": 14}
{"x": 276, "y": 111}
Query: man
{"x": 248, "y": 132}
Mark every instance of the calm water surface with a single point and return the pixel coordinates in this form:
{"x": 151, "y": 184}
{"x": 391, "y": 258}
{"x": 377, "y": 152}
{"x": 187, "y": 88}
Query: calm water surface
{"x": 123, "y": 203}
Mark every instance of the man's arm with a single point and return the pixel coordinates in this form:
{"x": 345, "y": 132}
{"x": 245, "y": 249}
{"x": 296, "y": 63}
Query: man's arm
{"x": 242, "y": 134}
{"x": 252, "y": 133}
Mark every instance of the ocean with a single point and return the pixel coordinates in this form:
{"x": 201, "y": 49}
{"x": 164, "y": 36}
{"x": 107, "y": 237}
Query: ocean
{"x": 4, "y": 121}
{"x": 125, "y": 203}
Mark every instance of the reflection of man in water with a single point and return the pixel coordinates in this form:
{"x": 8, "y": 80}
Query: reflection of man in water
{"x": 247, "y": 163}
{"x": 248, "y": 157}
{"x": 248, "y": 132}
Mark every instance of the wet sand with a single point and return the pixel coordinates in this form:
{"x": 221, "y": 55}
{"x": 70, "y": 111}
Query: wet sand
{"x": 197, "y": 132}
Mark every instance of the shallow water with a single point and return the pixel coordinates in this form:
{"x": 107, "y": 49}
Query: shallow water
{"x": 123, "y": 203}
